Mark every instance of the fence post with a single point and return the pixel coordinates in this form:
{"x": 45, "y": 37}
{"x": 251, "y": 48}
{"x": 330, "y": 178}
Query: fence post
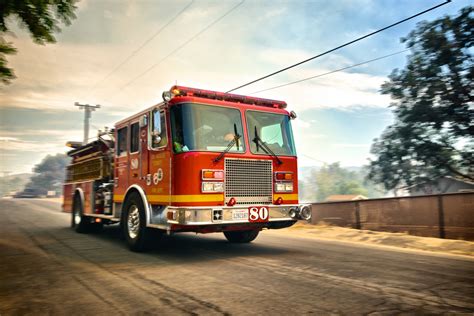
{"x": 442, "y": 233}
{"x": 357, "y": 215}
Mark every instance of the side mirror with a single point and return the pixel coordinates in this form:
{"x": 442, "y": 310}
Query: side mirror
{"x": 156, "y": 128}
{"x": 143, "y": 121}
{"x": 292, "y": 115}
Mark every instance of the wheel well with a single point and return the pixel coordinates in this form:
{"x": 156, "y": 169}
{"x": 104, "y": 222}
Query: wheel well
{"x": 137, "y": 191}
{"x": 78, "y": 194}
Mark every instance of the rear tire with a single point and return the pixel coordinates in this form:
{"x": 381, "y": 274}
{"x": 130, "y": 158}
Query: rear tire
{"x": 81, "y": 223}
{"x": 241, "y": 237}
{"x": 138, "y": 236}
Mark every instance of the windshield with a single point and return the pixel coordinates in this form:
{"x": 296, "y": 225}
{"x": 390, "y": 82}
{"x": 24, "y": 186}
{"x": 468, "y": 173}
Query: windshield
{"x": 272, "y": 129}
{"x": 205, "y": 128}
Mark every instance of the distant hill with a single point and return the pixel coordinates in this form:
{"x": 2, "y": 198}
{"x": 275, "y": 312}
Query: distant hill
{"x": 14, "y": 182}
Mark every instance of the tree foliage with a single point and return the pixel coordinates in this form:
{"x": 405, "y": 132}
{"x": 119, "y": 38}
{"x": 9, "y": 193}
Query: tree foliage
{"x": 433, "y": 107}
{"x": 333, "y": 179}
{"x": 40, "y": 17}
{"x": 49, "y": 174}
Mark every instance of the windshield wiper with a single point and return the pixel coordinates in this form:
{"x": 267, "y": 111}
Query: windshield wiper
{"x": 257, "y": 140}
{"x": 234, "y": 141}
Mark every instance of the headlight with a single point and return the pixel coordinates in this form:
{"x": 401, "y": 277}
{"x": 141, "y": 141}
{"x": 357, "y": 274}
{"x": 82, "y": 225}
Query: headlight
{"x": 283, "y": 187}
{"x": 279, "y": 187}
{"x": 208, "y": 187}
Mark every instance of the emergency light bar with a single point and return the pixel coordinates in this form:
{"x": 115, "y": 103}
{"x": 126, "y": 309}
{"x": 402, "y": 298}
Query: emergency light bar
{"x": 178, "y": 91}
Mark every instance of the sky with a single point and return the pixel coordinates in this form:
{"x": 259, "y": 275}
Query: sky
{"x": 339, "y": 115}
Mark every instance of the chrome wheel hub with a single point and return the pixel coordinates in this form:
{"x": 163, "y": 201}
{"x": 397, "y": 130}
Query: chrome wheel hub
{"x": 133, "y": 222}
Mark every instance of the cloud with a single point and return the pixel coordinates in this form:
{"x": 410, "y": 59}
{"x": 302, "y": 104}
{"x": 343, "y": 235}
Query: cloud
{"x": 58, "y": 134}
{"x": 12, "y": 144}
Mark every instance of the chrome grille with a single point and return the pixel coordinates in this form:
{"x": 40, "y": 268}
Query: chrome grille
{"x": 248, "y": 181}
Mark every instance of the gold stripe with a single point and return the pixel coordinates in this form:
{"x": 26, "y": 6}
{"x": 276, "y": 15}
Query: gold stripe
{"x": 118, "y": 197}
{"x": 198, "y": 198}
{"x": 289, "y": 197}
{"x": 178, "y": 198}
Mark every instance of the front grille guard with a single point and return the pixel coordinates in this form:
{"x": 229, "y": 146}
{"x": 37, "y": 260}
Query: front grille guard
{"x": 249, "y": 181}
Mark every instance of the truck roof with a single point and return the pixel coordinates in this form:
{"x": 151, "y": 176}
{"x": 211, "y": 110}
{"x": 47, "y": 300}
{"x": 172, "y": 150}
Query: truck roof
{"x": 180, "y": 92}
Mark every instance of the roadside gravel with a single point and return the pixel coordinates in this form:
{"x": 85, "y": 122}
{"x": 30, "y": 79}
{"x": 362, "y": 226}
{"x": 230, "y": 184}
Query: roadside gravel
{"x": 398, "y": 240}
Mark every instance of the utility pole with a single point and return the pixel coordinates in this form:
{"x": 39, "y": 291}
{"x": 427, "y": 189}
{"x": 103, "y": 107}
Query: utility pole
{"x": 87, "y": 115}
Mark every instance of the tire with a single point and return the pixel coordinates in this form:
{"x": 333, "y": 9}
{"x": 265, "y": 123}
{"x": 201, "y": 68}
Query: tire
{"x": 81, "y": 223}
{"x": 241, "y": 237}
{"x": 138, "y": 236}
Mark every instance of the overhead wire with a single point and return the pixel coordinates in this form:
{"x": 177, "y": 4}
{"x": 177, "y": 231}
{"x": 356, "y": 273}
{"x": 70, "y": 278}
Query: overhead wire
{"x": 315, "y": 159}
{"x": 331, "y": 72}
{"x": 340, "y": 46}
{"x": 145, "y": 43}
{"x": 182, "y": 45}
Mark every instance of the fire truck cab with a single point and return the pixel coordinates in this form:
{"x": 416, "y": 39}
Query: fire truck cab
{"x": 200, "y": 161}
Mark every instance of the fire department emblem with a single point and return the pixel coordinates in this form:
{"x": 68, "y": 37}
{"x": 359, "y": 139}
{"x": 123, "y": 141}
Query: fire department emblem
{"x": 134, "y": 163}
{"x": 158, "y": 176}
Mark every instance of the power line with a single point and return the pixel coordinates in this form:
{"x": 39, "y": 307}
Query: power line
{"x": 331, "y": 72}
{"x": 182, "y": 45}
{"x": 315, "y": 159}
{"x": 143, "y": 45}
{"x": 340, "y": 46}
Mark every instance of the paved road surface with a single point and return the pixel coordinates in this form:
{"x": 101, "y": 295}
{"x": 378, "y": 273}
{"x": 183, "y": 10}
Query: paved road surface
{"x": 46, "y": 268}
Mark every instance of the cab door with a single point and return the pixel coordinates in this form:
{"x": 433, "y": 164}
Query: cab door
{"x": 134, "y": 154}
{"x": 144, "y": 152}
{"x": 159, "y": 163}
{"x": 121, "y": 163}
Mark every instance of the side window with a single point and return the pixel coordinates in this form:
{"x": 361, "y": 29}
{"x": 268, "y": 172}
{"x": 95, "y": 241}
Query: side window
{"x": 134, "y": 137}
{"x": 121, "y": 141}
{"x": 159, "y": 136}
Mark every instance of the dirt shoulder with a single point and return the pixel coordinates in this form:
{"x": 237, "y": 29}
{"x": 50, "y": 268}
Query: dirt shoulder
{"x": 397, "y": 240}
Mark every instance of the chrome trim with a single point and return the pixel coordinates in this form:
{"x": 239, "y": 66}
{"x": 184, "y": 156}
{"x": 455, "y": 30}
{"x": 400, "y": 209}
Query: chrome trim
{"x": 200, "y": 216}
{"x": 81, "y": 194}
{"x": 133, "y": 222}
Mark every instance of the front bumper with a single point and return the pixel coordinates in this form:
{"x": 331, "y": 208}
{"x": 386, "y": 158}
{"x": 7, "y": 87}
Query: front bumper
{"x": 200, "y": 216}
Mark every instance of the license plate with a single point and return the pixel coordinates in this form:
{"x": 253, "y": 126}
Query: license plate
{"x": 240, "y": 215}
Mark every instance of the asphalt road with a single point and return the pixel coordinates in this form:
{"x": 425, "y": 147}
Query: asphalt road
{"x": 46, "y": 268}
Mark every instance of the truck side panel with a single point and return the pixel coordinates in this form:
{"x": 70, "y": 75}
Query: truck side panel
{"x": 67, "y": 195}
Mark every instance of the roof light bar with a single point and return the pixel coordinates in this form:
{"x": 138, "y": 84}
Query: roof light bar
{"x": 179, "y": 91}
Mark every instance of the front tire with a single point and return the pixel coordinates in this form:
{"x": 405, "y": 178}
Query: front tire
{"x": 137, "y": 235}
{"x": 241, "y": 237}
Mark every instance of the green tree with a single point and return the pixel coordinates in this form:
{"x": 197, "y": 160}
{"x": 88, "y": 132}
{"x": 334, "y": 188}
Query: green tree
{"x": 433, "y": 107}
{"x": 40, "y": 17}
{"x": 333, "y": 179}
{"x": 49, "y": 174}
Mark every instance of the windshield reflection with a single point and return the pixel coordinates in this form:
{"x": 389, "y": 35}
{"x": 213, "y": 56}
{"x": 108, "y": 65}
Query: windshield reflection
{"x": 197, "y": 127}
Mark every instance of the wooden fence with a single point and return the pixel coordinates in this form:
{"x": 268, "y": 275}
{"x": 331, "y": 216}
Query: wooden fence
{"x": 441, "y": 215}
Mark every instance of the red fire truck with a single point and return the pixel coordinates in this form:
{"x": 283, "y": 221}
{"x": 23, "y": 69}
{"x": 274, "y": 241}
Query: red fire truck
{"x": 200, "y": 161}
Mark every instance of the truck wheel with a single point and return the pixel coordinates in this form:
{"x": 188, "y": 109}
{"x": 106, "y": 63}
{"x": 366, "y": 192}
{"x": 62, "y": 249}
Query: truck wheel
{"x": 81, "y": 223}
{"x": 137, "y": 235}
{"x": 245, "y": 236}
